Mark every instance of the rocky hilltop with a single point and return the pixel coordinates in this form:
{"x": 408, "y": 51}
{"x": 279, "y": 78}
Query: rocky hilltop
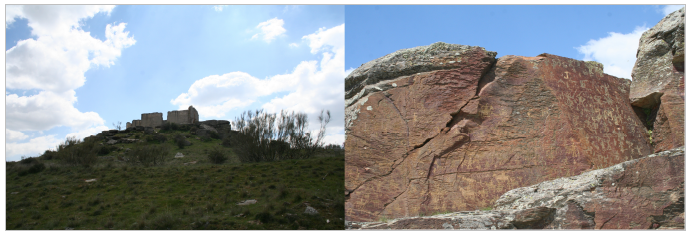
{"x": 447, "y": 128}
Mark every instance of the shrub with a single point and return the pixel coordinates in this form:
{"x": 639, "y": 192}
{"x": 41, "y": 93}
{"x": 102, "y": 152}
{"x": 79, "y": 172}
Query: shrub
{"x": 148, "y": 154}
{"x": 48, "y": 155}
{"x": 217, "y": 156}
{"x": 268, "y": 136}
{"x": 36, "y": 167}
{"x": 264, "y": 217}
{"x": 193, "y": 130}
{"x": 205, "y": 138}
{"x": 160, "y": 138}
{"x": 227, "y": 141}
{"x": 213, "y": 135}
{"x": 75, "y": 152}
{"x": 180, "y": 140}
{"x": 165, "y": 222}
{"x": 29, "y": 160}
{"x": 103, "y": 150}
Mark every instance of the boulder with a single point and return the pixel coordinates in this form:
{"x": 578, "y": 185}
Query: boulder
{"x": 179, "y": 155}
{"x": 111, "y": 142}
{"x": 646, "y": 193}
{"x": 456, "y": 138}
{"x": 247, "y": 202}
{"x": 128, "y": 140}
{"x": 209, "y": 128}
{"x": 658, "y": 81}
{"x": 310, "y": 211}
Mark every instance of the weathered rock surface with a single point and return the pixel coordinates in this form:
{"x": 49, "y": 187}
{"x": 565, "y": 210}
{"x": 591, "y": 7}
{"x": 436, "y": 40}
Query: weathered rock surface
{"x": 483, "y": 220}
{"x": 222, "y": 127}
{"x": 659, "y": 80}
{"x": 646, "y": 193}
{"x": 209, "y": 128}
{"x": 456, "y": 139}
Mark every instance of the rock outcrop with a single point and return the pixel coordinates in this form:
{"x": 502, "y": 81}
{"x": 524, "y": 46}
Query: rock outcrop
{"x": 448, "y": 128}
{"x": 647, "y": 193}
{"x": 658, "y": 87}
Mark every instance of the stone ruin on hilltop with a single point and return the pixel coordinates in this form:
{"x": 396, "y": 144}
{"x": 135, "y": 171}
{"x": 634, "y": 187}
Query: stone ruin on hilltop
{"x": 149, "y": 121}
{"x": 153, "y": 120}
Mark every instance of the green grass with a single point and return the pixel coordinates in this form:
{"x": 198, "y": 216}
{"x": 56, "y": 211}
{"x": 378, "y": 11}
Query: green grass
{"x": 178, "y": 196}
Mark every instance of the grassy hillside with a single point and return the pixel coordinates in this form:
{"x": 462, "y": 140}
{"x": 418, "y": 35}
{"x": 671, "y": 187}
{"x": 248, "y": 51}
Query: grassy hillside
{"x": 175, "y": 195}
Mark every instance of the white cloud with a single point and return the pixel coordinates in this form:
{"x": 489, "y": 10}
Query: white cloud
{"x": 81, "y": 134}
{"x": 310, "y": 87}
{"x": 617, "y": 52}
{"x": 293, "y": 45}
{"x": 219, "y": 8}
{"x": 53, "y": 64}
{"x": 332, "y": 37}
{"x": 35, "y": 147}
{"x": 348, "y": 71}
{"x": 13, "y": 136}
{"x": 53, "y": 19}
{"x": 270, "y": 29}
{"x": 667, "y": 9}
{"x": 46, "y": 110}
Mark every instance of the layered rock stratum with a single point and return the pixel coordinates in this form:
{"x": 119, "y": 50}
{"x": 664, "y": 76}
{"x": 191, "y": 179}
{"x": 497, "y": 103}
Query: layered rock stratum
{"x": 448, "y": 127}
{"x": 646, "y": 193}
{"x": 658, "y": 81}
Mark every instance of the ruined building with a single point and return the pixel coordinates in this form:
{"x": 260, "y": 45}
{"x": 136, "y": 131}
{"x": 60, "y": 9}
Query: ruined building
{"x": 189, "y": 116}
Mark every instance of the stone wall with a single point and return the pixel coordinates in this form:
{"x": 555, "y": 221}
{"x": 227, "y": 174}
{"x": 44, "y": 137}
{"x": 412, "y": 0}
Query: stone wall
{"x": 136, "y": 122}
{"x": 178, "y": 116}
{"x": 152, "y": 120}
{"x": 188, "y": 116}
{"x": 193, "y": 114}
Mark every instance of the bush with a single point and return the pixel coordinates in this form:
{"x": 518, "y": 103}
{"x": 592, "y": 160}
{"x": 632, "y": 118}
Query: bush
{"x": 160, "y": 138}
{"x": 264, "y": 217}
{"x": 75, "y": 152}
{"x": 103, "y": 150}
{"x": 148, "y": 155}
{"x": 205, "y": 138}
{"x": 227, "y": 141}
{"x": 29, "y": 160}
{"x": 35, "y": 168}
{"x": 268, "y": 136}
{"x": 193, "y": 130}
{"x": 48, "y": 155}
{"x": 180, "y": 141}
{"x": 217, "y": 156}
{"x": 213, "y": 135}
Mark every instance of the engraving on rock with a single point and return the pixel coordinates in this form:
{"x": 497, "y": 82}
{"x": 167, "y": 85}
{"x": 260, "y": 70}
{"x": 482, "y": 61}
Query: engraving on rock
{"x": 485, "y": 110}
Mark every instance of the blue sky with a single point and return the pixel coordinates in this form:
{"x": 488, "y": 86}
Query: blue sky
{"x": 605, "y": 33}
{"x": 75, "y": 70}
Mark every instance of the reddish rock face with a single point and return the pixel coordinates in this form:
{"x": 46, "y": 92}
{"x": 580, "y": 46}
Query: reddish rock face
{"x": 658, "y": 87}
{"x": 646, "y": 193}
{"x": 457, "y": 139}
